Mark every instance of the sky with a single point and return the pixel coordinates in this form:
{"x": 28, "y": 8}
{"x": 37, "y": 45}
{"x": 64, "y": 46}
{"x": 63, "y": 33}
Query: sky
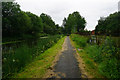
{"x": 91, "y": 10}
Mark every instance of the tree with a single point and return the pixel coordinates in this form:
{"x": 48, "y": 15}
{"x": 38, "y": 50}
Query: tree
{"x": 109, "y": 25}
{"x": 19, "y": 24}
{"x": 80, "y": 21}
{"x": 9, "y": 10}
{"x": 74, "y": 23}
{"x": 15, "y": 22}
{"x": 36, "y": 23}
{"x": 22, "y": 24}
{"x": 48, "y": 24}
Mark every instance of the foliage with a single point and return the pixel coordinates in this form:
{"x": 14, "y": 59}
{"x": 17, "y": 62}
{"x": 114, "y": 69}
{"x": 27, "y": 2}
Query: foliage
{"x": 36, "y": 25}
{"x": 74, "y": 23}
{"x": 15, "y": 58}
{"x": 80, "y": 40}
{"x": 109, "y": 68}
{"x": 109, "y": 25}
{"x": 106, "y": 56}
{"x": 23, "y": 25}
{"x": 15, "y": 21}
{"x": 94, "y": 53}
{"x": 39, "y": 66}
{"x": 49, "y": 26}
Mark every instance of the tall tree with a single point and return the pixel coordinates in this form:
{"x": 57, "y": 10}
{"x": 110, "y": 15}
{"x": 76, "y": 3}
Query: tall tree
{"x": 74, "y": 23}
{"x": 109, "y": 25}
{"x": 19, "y": 24}
{"x": 36, "y": 23}
{"x": 9, "y": 10}
{"x": 48, "y": 24}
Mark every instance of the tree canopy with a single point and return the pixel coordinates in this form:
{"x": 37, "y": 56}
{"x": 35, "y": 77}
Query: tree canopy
{"x": 109, "y": 25}
{"x": 36, "y": 25}
{"x": 17, "y": 23}
{"x": 48, "y": 24}
{"x": 74, "y": 23}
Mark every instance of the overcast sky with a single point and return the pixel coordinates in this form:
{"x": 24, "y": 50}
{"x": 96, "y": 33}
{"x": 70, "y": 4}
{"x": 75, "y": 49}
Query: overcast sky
{"x": 92, "y": 10}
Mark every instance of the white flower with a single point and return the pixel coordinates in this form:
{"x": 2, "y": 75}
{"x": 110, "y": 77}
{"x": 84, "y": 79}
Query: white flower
{"x": 5, "y": 59}
{"x": 13, "y": 60}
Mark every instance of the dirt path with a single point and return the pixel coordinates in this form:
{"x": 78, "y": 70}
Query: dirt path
{"x": 67, "y": 65}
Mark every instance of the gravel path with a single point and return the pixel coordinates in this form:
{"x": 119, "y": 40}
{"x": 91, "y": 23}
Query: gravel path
{"x": 67, "y": 66}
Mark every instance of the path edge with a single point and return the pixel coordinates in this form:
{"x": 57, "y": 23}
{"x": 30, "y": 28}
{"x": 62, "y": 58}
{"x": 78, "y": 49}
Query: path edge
{"x": 50, "y": 71}
{"x": 81, "y": 63}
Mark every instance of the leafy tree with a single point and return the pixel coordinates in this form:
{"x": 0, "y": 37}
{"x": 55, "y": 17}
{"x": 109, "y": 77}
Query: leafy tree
{"x": 15, "y": 22}
{"x": 48, "y": 24}
{"x": 59, "y": 29}
{"x": 36, "y": 23}
{"x": 22, "y": 24}
{"x": 19, "y": 24}
{"x": 74, "y": 23}
{"x": 64, "y": 29}
{"x": 9, "y": 10}
{"x": 109, "y": 25}
{"x": 80, "y": 21}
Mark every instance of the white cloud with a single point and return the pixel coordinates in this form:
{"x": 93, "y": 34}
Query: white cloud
{"x": 92, "y": 10}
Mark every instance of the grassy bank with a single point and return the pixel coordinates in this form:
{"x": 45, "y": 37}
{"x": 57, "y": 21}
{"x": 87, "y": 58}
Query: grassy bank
{"x": 80, "y": 42}
{"x": 40, "y": 65}
{"x": 100, "y": 61}
{"x": 17, "y": 55}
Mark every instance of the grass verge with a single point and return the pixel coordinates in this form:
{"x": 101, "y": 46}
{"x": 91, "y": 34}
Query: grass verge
{"x": 39, "y": 66}
{"x": 101, "y": 61}
{"x": 90, "y": 66}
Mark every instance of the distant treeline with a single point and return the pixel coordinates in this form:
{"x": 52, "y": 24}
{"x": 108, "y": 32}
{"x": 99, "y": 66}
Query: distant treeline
{"x": 20, "y": 24}
{"x": 109, "y": 25}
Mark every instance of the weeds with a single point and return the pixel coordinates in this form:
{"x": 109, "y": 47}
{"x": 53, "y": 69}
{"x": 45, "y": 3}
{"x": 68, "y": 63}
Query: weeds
{"x": 106, "y": 56}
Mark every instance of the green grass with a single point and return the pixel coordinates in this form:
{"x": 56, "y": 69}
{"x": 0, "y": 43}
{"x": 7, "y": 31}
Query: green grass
{"x": 17, "y": 56}
{"x": 80, "y": 40}
{"x": 39, "y": 66}
{"x": 100, "y": 60}
{"x": 90, "y": 66}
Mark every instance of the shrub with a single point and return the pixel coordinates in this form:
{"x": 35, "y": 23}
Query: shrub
{"x": 108, "y": 68}
{"x": 94, "y": 53}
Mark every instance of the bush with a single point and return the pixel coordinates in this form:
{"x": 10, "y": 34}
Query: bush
{"x": 94, "y": 53}
{"x": 108, "y": 68}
